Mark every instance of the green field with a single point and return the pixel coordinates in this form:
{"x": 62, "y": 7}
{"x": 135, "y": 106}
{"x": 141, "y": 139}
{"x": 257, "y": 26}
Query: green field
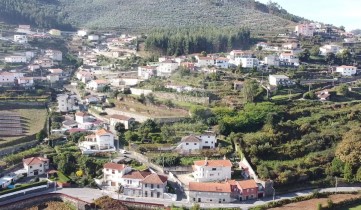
{"x": 33, "y": 119}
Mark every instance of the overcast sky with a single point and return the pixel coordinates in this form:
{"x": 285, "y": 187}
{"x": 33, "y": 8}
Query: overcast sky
{"x": 336, "y": 12}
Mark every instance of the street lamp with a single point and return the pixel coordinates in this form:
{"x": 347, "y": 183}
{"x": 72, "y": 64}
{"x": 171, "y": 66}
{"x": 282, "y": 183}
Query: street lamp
{"x": 274, "y": 192}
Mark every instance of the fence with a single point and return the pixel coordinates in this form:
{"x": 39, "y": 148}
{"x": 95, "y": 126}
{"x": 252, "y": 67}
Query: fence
{"x": 22, "y": 192}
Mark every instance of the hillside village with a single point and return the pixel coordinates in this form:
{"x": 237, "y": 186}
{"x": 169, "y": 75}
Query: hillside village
{"x": 153, "y": 128}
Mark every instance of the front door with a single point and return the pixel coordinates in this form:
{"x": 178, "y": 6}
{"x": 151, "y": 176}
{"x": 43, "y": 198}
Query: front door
{"x": 36, "y": 172}
{"x": 199, "y": 200}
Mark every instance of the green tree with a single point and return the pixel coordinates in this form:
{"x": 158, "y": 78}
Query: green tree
{"x": 330, "y": 58}
{"x": 120, "y": 128}
{"x": 309, "y": 95}
{"x": 315, "y": 50}
{"x": 358, "y": 174}
{"x": 342, "y": 90}
{"x": 349, "y": 149}
{"x": 337, "y": 167}
{"x": 131, "y": 136}
{"x": 348, "y": 172}
{"x": 168, "y": 133}
{"x": 40, "y": 135}
{"x": 250, "y": 90}
{"x": 304, "y": 56}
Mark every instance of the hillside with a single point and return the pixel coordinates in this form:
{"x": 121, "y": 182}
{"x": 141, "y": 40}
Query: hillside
{"x": 136, "y": 15}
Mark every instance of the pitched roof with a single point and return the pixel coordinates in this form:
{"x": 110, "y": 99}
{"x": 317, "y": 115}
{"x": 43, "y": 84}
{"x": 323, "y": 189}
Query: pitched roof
{"x": 344, "y": 66}
{"x": 248, "y": 184}
{"x": 137, "y": 174}
{"x": 210, "y": 187}
{"x": 190, "y": 138}
{"x": 120, "y": 117}
{"x": 114, "y": 166}
{"x": 81, "y": 114}
{"x": 155, "y": 179}
{"x": 34, "y": 160}
{"x": 215, "y": 163}
{"x": 100, "y": 81}
{"x": 102, "y": 132}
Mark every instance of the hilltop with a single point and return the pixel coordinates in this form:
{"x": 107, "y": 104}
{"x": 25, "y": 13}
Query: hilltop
{"x": 140, "y": 15}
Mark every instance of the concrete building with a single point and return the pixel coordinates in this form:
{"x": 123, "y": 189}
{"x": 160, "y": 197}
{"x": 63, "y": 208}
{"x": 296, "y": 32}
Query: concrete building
{"x": 127, "y": 121}
{"x": 67, "y": 102}
{"x": 304, "y": 30}
{"x": 55, "y": 55}
{"x": 330, "y": 48}
{"x": 209, "y": 192}
{"x": 166, "y": 68}
{"x": 21, "y": 39}
{"x": 212, "y": 170}
{"x": 195, "y": 143}
{"x": 146, "y": 72}
{"x": 346, "y": 70}
{"x": 276, "y": 80}
{"x": 97, "y": 85}
{"x": 272, "y": 60}
{"x": 221, "y": 62}
{"x": 15, "y": 59}
{"x": 113, "y": 173}
{"x": 36, "y": 165}
{"x": 100, "y": 140}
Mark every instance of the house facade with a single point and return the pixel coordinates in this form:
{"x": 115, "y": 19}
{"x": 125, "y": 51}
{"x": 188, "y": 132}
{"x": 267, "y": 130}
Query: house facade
{"x": 204, "y": 61}
{"x": 97, "y": 85}
{"x": 209, "y": 192}
{"x": 113, "y": 172}
{"x": 146, "y": 72}
{"x": 289, "y": 58}
{"x": 127, "y": 121}
{"x": 67, "y": 102}
{"x": 166, "y": 68}
{"x": 101, "y": 140}
{"x": 221, "y": 62}
{"x": 36, "y": 165}
{"x": 276, "y": 80}
{"x": 330, "y": 48}
{"x": 21, "y": 39}
{"x": 15, "y": 59}
{"x": 195, "y": 143}
{"x": 212, "y": 170}
{"x": 304, "y": 30}
{"x": 55, "y": 55}
{"x": 346, "y": 70}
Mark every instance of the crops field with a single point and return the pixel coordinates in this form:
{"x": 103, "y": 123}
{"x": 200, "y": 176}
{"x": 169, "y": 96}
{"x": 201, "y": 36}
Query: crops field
{"x": 33, "y": 119}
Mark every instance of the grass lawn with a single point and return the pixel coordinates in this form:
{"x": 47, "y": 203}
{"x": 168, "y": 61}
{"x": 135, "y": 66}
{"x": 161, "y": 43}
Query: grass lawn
{"x": 62, "y": 178}
{"x": 33, "y": 119}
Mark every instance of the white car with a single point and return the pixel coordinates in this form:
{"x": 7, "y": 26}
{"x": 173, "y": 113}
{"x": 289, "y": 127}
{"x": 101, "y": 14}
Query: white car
{"x": 123, "y": 151}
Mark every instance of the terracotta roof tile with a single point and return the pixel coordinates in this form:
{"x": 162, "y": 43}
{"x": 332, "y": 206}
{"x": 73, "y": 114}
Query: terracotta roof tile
{"x": 155, "y": 179}
{"x": 215, "y": 163}
{"x": 210, "y": 187}
{"x": 190, "y": 138}
{"x": 120, "y": 117}
{"x": 137, "y": 174}
{"x": 102, "y": 132}
{"x": 114, "y": 166}
{"x": 247, "y": 184}
{"x": 34, "y": 160}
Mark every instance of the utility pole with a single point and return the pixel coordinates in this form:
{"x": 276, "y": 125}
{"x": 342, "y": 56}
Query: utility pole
{"x": 336, "y": 184}
{"x": 274, "y": 193}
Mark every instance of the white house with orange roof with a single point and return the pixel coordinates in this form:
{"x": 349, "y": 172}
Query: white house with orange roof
{"x": 204, "y": 61}
{"x": 26, "y": 81}
{"x": 212, "y": 170}
{"x": 346, "y": 70}
{"x": 113, "y": 172}
{"x": 84, "y": 76}
{"x": 97, "y": 85}
{"x": 289, "y": 58}
{"x": 36, "y": 165}
{"x": 146, "y": 72}
{"x": 101, "y": 140}
{"x": 195, "y": 143}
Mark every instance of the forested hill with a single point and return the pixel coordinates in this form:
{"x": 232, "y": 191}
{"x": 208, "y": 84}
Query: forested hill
{"x": 145, "y": 14}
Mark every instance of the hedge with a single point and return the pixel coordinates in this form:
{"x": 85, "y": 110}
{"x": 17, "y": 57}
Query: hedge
{"x": 3, "y": 192}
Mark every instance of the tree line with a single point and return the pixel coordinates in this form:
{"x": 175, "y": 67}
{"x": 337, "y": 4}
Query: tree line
{"x": 182, "y": 41}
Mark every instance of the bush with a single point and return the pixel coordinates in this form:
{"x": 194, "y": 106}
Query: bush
{"x": 23, "y": 187}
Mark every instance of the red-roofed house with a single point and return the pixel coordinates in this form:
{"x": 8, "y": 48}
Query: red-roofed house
{"x": 97, "y": 85}
{"x": 102, "y": 140}
{"x": 209, "y": 192}
{"x": 113, "y": 172}
{"x": 244, "y": 190}
{"x": 36, "y": 165}
{"x": 114, "y": 119}
{"x": 212, "y": 170}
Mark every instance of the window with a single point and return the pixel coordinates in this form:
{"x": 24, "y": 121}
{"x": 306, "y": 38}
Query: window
{"x": 146, "y": 194}
{"x": 151, "y": 194}
{"x": 206, "y": 142}
{"x": 146, "y": 185}
{"x": 195, "y": 144}
{"x": 113, "y": 171}
{"x": 158, "y": 186}
{"x": 41, "y": 165}
{"x": 214, "y": 169}
{"x": 31, "y": 167}
{"x": 151, "y": 186}
{"x": 187, "y": 143}
{"x": 158, "y": 194}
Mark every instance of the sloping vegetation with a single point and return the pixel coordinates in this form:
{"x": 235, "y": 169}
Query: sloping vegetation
{"x": 146, "y": 14}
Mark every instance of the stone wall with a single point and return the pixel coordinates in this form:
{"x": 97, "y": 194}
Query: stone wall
{"x": 182, "y": 98}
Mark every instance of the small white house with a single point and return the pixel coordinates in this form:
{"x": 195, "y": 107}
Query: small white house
{"x": 209, "y": 192}
{"x": 330, "y": 48}
{"x": 276, "y": 80}
{"x": 289, "y": 58}
{"x": 82, "y": 33}
{"x": 52, "y": 78}
{"x": 194, "y": 143}
{"x": 101, "y": 140}
{"x": 114, "y": 119}
{"x": 36, "y": 165}
{"x": 113, "y": 173}
{"x": 97, "y": 85}
{"x": 91, "y": 99}
{"x": 212, "y": 170}
{"x": 272, "y": 60}
{"x": 21, "y": 39}
{"x": 221, "y": 62}
{"x": 55, "y": 55}
{"x": 146, "y": 72}
{"x": 245, "y": 62}
{"x": 82, "y": 117}
{"x": 166, "y": 68}
{"x": 346, "y": 70}
{"x": 93, "y": 37}
{"x": 204, "y": 61}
